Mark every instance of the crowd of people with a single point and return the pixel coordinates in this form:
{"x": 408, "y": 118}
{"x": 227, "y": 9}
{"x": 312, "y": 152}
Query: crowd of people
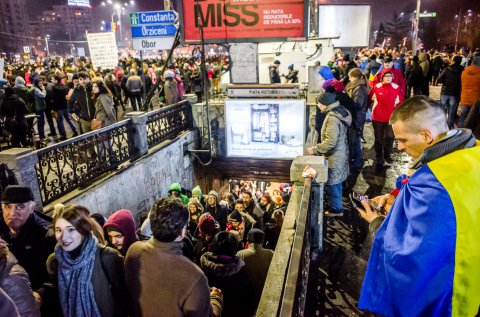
{"x": 192, "y": 255}
{"x": 88, "y": 99}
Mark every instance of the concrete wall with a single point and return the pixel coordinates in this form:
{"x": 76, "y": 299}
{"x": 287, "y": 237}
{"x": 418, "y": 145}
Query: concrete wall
{"x": 137, "y": 185}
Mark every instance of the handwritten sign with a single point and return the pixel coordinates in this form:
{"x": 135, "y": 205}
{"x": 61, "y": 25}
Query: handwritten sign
{"x": 103, "y": 50}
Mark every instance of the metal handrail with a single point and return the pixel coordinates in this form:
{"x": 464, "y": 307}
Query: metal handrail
{"x": 166, "y": 123}
{"x": 75, "y": 163}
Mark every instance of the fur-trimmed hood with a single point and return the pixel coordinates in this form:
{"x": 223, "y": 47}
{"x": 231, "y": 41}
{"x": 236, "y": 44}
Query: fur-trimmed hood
{"x": 220, "y": 265}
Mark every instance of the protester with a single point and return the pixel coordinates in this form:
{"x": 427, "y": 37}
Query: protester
{"x": 14, "y": 110}
{"x": 384, "y": 97}
{"x": 160, "y": 280}
{"x": 402, "y": 279}
{"x": 227, "y": 272}
{"x": 257, "y": 261}
{"x": 89, "y": 277}
{"x": 334, "y": 146}
{"x": 121, "y": 230}
{"x": 27, "y": 236}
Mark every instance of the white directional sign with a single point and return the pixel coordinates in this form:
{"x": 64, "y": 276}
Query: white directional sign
{"x": 153, "y": 43}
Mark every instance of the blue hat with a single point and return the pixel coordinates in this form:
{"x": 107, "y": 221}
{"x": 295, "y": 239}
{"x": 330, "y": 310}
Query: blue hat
{"x": 326, "y": 73}
{"x": 290, "y": 66}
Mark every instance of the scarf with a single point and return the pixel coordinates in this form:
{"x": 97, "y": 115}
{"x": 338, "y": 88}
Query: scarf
{"x": 74, "y": 280}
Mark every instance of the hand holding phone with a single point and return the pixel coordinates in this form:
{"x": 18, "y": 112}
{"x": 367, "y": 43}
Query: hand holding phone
{"x": 357, "y": 199}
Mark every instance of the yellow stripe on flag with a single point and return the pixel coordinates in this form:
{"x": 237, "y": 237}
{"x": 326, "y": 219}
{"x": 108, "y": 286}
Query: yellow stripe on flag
{"x": 459, "y": 173}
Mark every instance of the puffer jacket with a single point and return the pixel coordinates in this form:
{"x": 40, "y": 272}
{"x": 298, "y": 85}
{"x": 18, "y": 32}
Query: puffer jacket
{"x": 470, "y": 85}
{"x": 384, "y": 98}
{"x": 14, "y": 281}
{"x": 334, "y": 142}
{"x": 451, "y": 79}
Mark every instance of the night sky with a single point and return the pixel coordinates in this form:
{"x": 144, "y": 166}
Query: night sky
{"x": 382, "y": 10}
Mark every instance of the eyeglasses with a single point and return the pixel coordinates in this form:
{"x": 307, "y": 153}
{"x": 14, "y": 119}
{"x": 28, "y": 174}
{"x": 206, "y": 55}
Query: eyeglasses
{"x": 388, "y": 76}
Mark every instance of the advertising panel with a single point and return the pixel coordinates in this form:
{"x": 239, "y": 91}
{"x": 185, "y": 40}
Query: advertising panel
{"x": 245, "y": 20}
{"x": 103, "y": 49}
{"x": 340, "y": 20}
{"x": 265, "y": 128}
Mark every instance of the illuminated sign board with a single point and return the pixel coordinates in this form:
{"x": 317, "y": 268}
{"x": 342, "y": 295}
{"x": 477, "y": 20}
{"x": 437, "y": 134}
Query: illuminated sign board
{"x": 265, "y": 128}
{"x": 79, "y": 3}
{"x": 245, "y": 21}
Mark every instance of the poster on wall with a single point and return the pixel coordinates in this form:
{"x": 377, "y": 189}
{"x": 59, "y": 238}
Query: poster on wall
{"x": 103, "y": 49}
{"x": 244, "y": 21}
{"x": 244, "y": 63}
{"x": 265, "y": 128}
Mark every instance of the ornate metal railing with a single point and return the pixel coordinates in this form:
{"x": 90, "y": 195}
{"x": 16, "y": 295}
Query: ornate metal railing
{"x": 65, "y": 166}
{"x": 166, "y": 123}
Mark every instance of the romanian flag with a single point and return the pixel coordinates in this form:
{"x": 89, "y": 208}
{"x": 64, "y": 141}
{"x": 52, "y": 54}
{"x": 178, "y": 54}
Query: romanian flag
{"x": 111, "y": 27}
{"x": 425, "y": 259}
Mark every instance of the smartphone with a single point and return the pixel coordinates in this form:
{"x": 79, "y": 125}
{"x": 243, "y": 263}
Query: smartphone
{"x": 357, "y": 199}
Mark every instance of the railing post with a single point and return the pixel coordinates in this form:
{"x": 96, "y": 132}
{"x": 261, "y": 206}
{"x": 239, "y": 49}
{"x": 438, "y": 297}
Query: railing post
{"x": 22, "y": 162}
{"x": 319, "y": 164}
{"x": 139, "y": 131}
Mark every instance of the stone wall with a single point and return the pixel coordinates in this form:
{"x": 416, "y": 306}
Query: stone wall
{"x": 136, "y": 186}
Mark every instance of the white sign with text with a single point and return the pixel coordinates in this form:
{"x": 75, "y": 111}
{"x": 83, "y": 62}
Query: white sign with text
{"x": 103, "y": 49}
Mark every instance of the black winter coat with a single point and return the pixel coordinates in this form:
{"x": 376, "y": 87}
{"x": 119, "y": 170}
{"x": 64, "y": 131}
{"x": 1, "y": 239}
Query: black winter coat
{"x": 59, "y": 97}
{"x": 32, "y": 246}
{"x": 229, "y": 275}
{"x": 81, "y": 103}
{"x": 451, "y": 79}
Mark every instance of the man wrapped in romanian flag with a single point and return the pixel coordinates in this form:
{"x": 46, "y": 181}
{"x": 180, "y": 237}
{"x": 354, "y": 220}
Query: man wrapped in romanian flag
{"x": 425, "y": 259}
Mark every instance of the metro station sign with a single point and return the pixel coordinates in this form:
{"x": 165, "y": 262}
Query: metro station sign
{"x": 244, "y": 20}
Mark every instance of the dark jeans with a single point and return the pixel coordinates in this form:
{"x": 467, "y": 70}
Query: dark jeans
{"x": 48, "y": 114}
{"x": 333, "y": 195}
{"x": 41, "y": 123}
{"x": 61, "y": 115}
{"x": 383, "y": 144}
{"x": 136, "y": 100}
{"x": 451, "y": 104}
{"x": 463, "y": 115}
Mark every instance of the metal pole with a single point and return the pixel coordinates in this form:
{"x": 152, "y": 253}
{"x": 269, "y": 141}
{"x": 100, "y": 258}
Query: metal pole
{"x": 458, "y": 29}
{"x": 46, "y": 45}
{"x": 415, "y": 32}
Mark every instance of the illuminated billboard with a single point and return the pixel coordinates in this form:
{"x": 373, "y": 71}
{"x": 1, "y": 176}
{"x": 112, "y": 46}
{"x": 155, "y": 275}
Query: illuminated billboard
{"x": 244, "y": 21}
{"x": 265, "y": 128}
{"x": 79, "y": 3}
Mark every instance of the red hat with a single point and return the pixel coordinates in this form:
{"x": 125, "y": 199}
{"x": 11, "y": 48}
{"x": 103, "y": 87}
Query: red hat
{"x": 207, "y": 224}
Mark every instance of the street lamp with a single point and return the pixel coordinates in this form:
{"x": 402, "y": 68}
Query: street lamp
{"x": 415, "y": 31}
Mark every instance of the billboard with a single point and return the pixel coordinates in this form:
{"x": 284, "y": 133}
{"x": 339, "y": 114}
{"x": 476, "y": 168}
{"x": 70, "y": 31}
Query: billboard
{"x": 350, "y": 22}
{"x": 265, "y": 128}
{"x": 79, "y": 3}
{"x": 244, "y": 21}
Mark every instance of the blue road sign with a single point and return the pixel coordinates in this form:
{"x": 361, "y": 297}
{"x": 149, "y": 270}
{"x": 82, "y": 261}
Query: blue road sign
{"x": 153, "y": 17}
{"x": 153, "y": 30}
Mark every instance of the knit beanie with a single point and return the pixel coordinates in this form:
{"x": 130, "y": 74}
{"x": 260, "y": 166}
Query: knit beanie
{"x": 290, "y": 66}
{"x": 207, "y": 224}
{"x": 326, "y": 98}
{"x": 213, "y": 193}
{"x": 197, "y": 190}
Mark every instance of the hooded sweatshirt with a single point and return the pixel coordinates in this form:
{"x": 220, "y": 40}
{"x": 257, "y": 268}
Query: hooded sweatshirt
{"x": 123, "y": 222}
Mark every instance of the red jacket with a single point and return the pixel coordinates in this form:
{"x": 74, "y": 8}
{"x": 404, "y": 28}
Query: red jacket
{"x": 397, "y": 78}
{"x": 384, "y": 98}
